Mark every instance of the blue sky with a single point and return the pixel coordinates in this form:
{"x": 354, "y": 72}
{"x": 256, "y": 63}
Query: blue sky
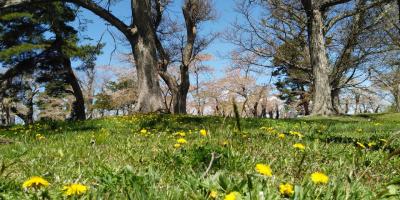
{"x": 219, "y": 48}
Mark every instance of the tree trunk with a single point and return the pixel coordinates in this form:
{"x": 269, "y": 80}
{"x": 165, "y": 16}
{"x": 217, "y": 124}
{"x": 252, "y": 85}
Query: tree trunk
{"x": 271, "y": 114}
{"x": 179, "y": 102}
{"x": 305, "y": 101}
{"x": 263, "y": 112}
{"x": 357, "y": 106}
{"x": 306, "y": 107}
{"x": 397, "y": 99}
{"x": 178, "y": 91}
{"x": 376, "y": 110}
{"x": 90, "y": 91}
{"x": 322, "y": 103}
{"x": 78, "y": 106}
{"x": 346, "y": 107}
{"x": 8, "y": 115}
{"x": 277, "y": 112}
{"x": 398, "y": 8}
{"x": 145, "y": 53}
{"x": 197, "y": 93}
{"x": 335, "y": 100}
{"x": 255, "y": 109}
{"x": 149, "y": 98}
{"x": 29, "y": 115}
{"x": 216, "y": 111}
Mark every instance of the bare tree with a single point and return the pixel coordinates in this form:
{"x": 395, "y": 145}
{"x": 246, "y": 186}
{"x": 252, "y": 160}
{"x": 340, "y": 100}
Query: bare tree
{"x": 185, "y": 51}
{"x": 386, "y": 75}
{"x": 334, "y": 33}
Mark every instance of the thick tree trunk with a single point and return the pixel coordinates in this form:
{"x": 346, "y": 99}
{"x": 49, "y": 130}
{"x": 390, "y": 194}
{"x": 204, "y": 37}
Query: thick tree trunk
{"x": 78, "y": 106}
{"x": 149, "y": 98}
{"x": 179, "y": 91}
{"x": 145, "y": 53}
{"x": 179, "y": 102}
{"x": 322, "y": 103}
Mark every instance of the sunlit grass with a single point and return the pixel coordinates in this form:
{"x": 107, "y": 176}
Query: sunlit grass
{"x": 136, "y": 157}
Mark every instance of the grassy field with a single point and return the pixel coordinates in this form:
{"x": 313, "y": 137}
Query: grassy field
{"x": 138, "y": 157}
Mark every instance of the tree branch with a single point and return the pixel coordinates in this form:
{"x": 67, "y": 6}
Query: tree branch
{"x": 88, "y": 4}
{"x": 329, "y": 3}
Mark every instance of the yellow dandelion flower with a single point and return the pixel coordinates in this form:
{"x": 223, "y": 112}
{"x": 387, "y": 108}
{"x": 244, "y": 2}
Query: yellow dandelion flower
{"x": 271, "y": 130}
{"x": 361, "y": 145}
{"x": 35, "y": 182}
{"x": 371, "y": 144}
{"x": 213, "y": 194}
{"x": 264, "y": 169}
{"x": 286, "y": 189}
{"x": 232, "y": 196}
{"x": 203, "y": 132}
{"x": 181, "y": 133}
{"x": 177, "y": 145}
{"x": 181, "y": 141}
{"x": 319, "y": 178}
{"x": 281, "y": 136}
{"x": 75, "y": 189}
{"x": 225, "y": 143}
{"x": 295, "y": 133}
{"x": 143, "y": 131}
{"x": 40, "y": 137}
{"x": 299, "y": 146}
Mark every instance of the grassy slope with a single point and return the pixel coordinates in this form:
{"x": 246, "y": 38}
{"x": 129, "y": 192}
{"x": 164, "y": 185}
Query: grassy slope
{"x": 112, "y": 157}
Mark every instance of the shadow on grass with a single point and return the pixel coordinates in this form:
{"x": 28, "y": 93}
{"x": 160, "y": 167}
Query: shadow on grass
{"x": 59, "y": 127}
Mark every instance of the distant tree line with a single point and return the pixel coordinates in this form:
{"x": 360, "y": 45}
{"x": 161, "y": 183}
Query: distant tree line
{"x": 326, "y": 57}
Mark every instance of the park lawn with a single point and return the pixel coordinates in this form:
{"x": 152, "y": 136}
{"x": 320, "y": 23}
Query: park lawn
{"x": 136, "y": 157}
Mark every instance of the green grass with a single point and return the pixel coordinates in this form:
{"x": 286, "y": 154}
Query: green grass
{"x": 116, "y": 161}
